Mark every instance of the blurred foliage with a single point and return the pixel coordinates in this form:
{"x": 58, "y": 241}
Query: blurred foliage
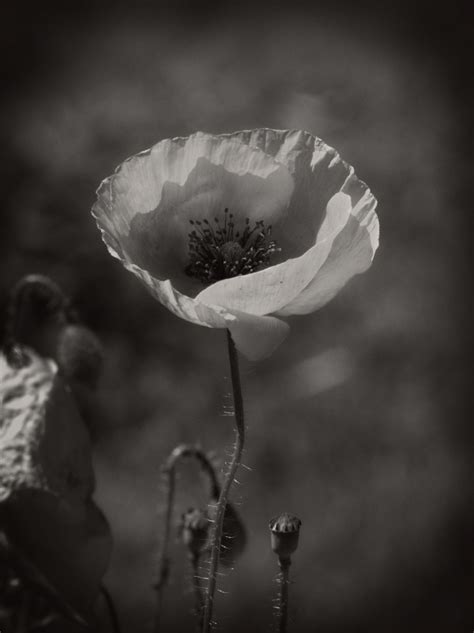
{"x": 55, "y": 543}
{"x": 357, "y": 422}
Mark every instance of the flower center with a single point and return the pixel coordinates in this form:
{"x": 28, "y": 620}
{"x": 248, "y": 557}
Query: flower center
{"x": 218, "y": 251}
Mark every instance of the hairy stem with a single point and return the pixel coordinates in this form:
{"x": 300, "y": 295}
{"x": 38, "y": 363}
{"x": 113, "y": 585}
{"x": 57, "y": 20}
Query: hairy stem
{"x": 198, "y": 601}
{"x": 284, "y": 581}
{"x": 216, "y": 534}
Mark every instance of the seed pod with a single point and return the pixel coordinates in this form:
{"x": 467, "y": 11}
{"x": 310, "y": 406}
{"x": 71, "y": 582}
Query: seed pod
{"x": 284, "y": 531}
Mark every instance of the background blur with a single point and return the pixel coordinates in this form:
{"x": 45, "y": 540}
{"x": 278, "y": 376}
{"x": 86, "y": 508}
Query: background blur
{"x": 357, "y": 423}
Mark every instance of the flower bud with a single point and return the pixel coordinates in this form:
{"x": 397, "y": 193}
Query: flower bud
{"x": 284, "y": 530}
{"x": 194, "y": 531}
{"x": 234, "y": 534}
{"x": 36, "y": 310}
{"x": 80, "y": 355}
{"x": 234, "y": 537}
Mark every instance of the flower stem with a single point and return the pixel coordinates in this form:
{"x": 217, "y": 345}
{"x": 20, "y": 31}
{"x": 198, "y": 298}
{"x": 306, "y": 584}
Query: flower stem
{"x": 164, "y": 561}
{"x": 198, "y": 602}
{"x": 216, "y": 535}
{"x": 283, "y": 597}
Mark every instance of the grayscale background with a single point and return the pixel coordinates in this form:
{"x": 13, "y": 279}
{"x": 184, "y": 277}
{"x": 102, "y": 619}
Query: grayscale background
{"x": 358, "y": 423}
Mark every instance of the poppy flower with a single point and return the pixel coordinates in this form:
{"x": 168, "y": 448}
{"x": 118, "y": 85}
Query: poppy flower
{"x": 239, "y": 230}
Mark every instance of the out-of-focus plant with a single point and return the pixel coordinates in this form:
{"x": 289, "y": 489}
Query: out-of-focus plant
{"x": 238, "y": 231}
{"x": 56, "y": 542}
{"x": 40, "y": 316}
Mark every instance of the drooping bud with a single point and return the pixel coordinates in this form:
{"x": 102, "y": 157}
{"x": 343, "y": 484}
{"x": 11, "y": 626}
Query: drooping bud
{"x": 194, "y": 531}
{"x": 284, "y": 531}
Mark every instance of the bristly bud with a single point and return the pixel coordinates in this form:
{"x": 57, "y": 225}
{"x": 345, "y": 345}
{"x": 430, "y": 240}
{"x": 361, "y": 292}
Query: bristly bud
{"x": 194, "y": 531}
{"x": 234, "y": 537}
{"x": 285, "y": 530}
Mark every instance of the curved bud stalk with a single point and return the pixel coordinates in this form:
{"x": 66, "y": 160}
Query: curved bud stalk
{"x": 196, "y": 527}
{"x": 194, "y": 534}
{"x": 181, "y": 452}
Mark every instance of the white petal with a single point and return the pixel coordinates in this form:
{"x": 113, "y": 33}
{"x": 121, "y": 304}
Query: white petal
{"x": 179, "y": 304}
{"x": 254, "y": 336}
{"x": 270, "y": 290}
{"x": 145, "y": 208}
{"x": 318, "y": 172}
{"x": 352, "y": 253}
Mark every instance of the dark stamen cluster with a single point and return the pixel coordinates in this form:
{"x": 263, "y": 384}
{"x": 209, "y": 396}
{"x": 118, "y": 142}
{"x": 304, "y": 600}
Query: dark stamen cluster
{"x": 217, "y": 251}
